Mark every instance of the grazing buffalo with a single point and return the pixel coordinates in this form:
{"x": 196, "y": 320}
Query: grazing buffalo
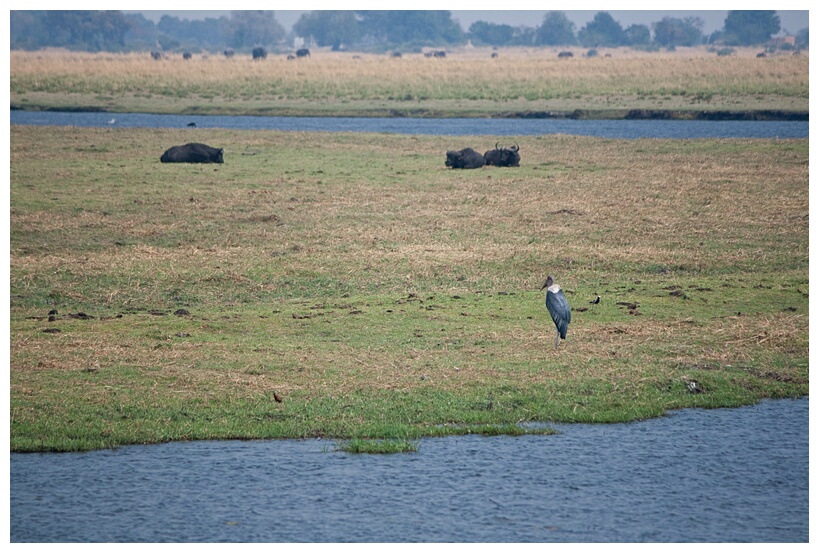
{"x": 259, "y": 53}
{"x": 503, "y": 157}
{"x": 186, "y": 55}
{"x": 302, "y": 52}
{"x": 193, "y": 153}
{"x": 291, "y": 57}
{"x": 228, "y": 53}
{"x": 156, "y": 55}
{"x": 565, "y": 54}
{"x": 464, "y": 159}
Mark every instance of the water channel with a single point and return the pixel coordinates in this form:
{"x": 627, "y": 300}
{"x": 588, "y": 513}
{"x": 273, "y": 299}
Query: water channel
{"x": 455, "y": 126}
{"x": 724, "y": 475}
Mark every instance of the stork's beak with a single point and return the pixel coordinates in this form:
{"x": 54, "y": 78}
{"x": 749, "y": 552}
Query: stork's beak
{"x": 544, "y": 286}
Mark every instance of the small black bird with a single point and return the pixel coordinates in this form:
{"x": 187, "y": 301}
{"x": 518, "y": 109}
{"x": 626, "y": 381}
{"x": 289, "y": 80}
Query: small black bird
{"x": 191, "y": 124}
{"x": 595, "y": 300}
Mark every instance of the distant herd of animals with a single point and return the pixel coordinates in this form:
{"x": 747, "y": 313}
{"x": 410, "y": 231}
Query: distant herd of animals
{"x": 260, "y": 53}
{"x": 195, "y": 152}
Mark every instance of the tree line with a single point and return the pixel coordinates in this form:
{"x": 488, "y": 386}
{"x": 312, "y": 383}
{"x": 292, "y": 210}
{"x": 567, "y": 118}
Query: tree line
{"x": 369, "y": 30}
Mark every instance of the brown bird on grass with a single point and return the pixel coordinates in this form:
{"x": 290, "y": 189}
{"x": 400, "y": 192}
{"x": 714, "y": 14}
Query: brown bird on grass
{"x": 277, "y": 397}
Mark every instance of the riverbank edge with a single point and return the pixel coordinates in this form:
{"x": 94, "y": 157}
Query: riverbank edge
{"x": 576, "y": 114}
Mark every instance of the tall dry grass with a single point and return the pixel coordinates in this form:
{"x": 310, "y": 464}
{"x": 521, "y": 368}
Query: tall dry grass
{"x": 518, "y": 73}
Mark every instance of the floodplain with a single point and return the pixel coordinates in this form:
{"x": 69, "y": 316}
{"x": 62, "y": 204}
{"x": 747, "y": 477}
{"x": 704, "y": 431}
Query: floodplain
{"x": 381, "y": 295}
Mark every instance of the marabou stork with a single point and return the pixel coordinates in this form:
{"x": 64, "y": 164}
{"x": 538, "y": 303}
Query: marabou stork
{"x": 558, "y": 308}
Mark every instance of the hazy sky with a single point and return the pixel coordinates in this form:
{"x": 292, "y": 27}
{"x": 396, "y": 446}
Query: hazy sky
{"x": 791, "y": 20}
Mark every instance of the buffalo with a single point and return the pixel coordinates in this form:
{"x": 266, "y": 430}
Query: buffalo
{"x": 186, "y": 55}
{"x": 464, "y": 159}
{"x": 228, "y": 53}
{"x": 193, "y": 153}
{"x": 156, "y": 55}
{"x": 565, "y": 54}
{"x": 259, "y": 53}
{"x": 302, "y": 52}
{"x": 503, "y": 157}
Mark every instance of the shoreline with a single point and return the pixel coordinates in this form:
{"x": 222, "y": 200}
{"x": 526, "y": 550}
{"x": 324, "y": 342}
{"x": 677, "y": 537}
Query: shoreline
{"x": 576, "y": 114}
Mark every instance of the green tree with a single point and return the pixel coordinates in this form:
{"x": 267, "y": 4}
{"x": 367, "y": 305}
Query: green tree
{"x": 671, "y": 32}
{"x": 85, "y": 30}
{"x": 603, "y": 30}
{"x": 556, "y": 30}
{"x": 749, "y": 27}
{"x": 637, "y": 35}
{"x": 27, "y": 29}
{"x": 329, "y": 27}
{"x": 142, "y": 34}
{"x": 418, "y": 27}
{"x": 208, "y": 33}
{"x": 802, "y": 38}
{"x": 482, "y": 32}
{"x": 250, "y": 28}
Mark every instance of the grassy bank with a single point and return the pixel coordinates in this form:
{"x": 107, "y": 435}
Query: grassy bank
{"x": 382, "y": 295}
{"x": 467, "y": 83}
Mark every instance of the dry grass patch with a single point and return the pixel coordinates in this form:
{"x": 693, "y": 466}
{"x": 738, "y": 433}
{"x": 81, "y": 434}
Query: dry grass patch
{"x": 529, "y": 79}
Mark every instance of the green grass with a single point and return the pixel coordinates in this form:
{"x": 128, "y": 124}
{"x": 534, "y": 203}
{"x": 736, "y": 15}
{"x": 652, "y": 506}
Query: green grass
{"x": 386, "y": 298}
{"x": 379, "y": 446}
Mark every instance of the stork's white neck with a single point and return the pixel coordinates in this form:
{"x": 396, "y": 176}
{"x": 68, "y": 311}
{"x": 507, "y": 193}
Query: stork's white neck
{"x": 554, "y": 289}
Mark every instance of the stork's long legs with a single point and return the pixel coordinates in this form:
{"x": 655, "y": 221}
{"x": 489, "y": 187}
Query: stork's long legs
{"x": 557, "y": 339}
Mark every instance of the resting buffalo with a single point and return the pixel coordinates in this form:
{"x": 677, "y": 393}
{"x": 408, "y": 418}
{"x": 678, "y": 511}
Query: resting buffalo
{"x": 464, "y": 159}
{"x": 259, "y": 53}
{"x": 193, "y": 153}
{"x": 503, "y": 157}
{"x": 301, "y": 52}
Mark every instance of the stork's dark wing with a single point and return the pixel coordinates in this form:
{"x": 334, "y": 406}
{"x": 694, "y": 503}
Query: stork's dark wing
{"x": 559, "y": 310}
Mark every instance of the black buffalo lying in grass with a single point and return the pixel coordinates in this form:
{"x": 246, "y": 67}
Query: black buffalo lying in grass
{"x": 193, "y": 153}
{"x": 503, "y": 157}
{"x": 464, "y": 159}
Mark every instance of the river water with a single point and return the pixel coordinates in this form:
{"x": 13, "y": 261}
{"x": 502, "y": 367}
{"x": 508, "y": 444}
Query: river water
{"x": 723, "y": 475}
{"x": 456, "y": 126}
